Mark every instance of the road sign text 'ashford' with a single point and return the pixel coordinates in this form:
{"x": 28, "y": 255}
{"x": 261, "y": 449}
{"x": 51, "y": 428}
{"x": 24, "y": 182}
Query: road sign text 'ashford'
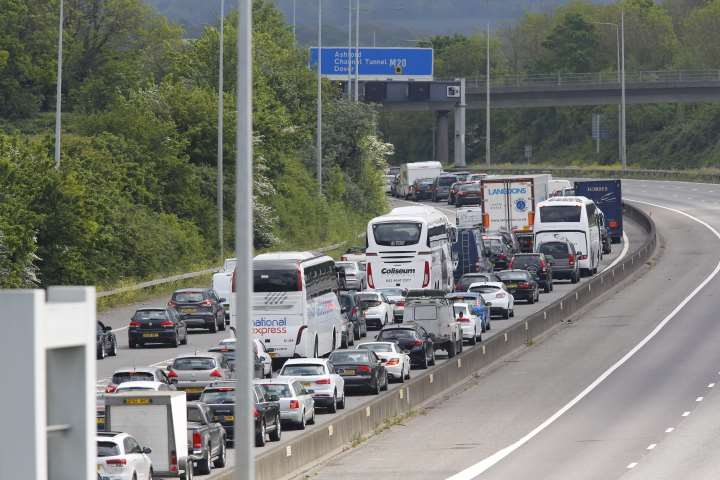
{"x": 375, "y": 63}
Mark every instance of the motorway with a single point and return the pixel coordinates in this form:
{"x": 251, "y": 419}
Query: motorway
{"x": 627, "y": 391}
{"x": 118, "y": 318}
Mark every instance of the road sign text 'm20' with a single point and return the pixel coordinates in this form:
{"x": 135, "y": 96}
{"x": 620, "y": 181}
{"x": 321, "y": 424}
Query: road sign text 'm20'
{"x": 375, "y": 63}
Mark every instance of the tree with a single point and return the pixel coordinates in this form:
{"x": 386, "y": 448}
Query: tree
{"x": 701, "y": 34}
{"x": 570, "y": 47}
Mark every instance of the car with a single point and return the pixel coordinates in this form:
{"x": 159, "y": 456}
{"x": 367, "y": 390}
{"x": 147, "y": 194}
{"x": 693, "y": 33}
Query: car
{"x": 394, "y": 185}
{"x": 133, "y": 374}
{"x": 199, "y": 308}
{"x": 560, "y": 252}
{"x": 500, "y": 251}
{"x": 156, "y": 325}
{"x": 509, "y": 237}
{"x": 396, "y": 297}
{"x": 521, "y": 284}
{"x": 206, "y": 438}
{"x": 121, "y": 457}
{"x": 538, "y": 266}
{"x": 319, "y": 375}
{"x": 453, "y": 190}
{"x": 471, "y": 331}
{"x": 142, "y": 385}
{"x": 261, "y": 353}
{"x": 476, "y": 177}
{"x": 297, "y": 407}
{"x": 195, "y": 371}
{"x": 267, "y": 417}
{"x": 477, "y": 306}
{"x": 350, "y": 306}
{"x": 106, "y": 341}
{"x": 412, "y": 338}
{"x": 421, "y": 189}
{"x": 396, "y": 360}
{"x": 354, "y": 276}
{"x": 469, "y": 278}
{"x": 497, "y": 297}
{"x": 375, "y": 308}
{"x": 604, "y": 236}
{"x": 441, "y": 186}
{"x": 220, "y": 399}
{"x": 468, "y": 194}
{"x": 100, "y": 411}
{"x": 361, "y": 369}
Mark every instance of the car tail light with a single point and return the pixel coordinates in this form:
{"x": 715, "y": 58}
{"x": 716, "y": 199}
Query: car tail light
{"x": 172, "y": 374}
{"x": 167, "y": 323}
{"x": 542, "y": 264}
{"x": 571, "y": 260}
{"x": 401, "y": 303}
{"x": 256, "y": 412}
{"x": 197, "y": 440}
{"x": 582, "y": 257}
{"x": 323, "y": 381}
{"x": 173, "y": 461}
{"x": 417, "y": 343}
{"x": 393, "y": 361}
{"x": 172, "y": 304}
{"x": 111, "y": 388}
{"x": 353, "y": 312}
{"x": 613, "y": 223}
{"x": 500, "y": 295}
{"x": 523, "y": 285}
{"x": 135, "y": 324}
{"x": 363, "y": 369}
{"x": 116, "y": 461}
{"x": 370, "y": 280}
{"x": 510, "y": 265}
{"x": 426, "y": 276}
{"x": 206, "y": 303}
{"x": 216, "y": 373}
{"x": 294, "y": 404}
{"x": 299, "y": 334}
{"x": 225, "y": 389}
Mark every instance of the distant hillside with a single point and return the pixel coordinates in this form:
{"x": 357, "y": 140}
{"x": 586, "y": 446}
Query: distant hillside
{"x": 394, "y": 22}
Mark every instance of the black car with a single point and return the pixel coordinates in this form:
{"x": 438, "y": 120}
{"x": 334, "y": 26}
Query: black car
{"x": 220, "y": 397}
{"x": 199, "y": 308}
{"x": 413, "y": 338}
{"x": 441, "y": 186}
{"x": 156, "y": 325}
{"x": 469, "y": 278}
{"x": 500, "y": 252}
{"x": 350, "y": 306}
{"x": 267, "y": 416}
{"x": 538, "y": 266}
{"x": 361, "y": 369}
{"x": 468, "y": 194}
{"x": 421, "y": 189}
{"x": 106, "y": 341}
{"x": 521, "y": 284}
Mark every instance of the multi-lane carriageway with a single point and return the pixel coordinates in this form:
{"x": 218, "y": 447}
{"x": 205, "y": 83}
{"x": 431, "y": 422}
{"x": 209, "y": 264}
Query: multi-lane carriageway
{"x": 524, "y": 419}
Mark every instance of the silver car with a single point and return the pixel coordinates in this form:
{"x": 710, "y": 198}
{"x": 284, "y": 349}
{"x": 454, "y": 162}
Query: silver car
{"x": 354, "y": 276}
{"x": 194, "y": 372}
{"x": 297, "y": 406}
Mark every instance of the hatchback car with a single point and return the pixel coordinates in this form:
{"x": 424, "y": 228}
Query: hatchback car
{"x": 297, "y": 407}
{"x": 469, "y": 278}
{"x": 199, "y": 308}
{"x": 441, "y": 186}
{"x": 267, "y": 417}
{"x": 468, "y": 194}
{"x": 421, "y": 189}
{"x": 497, "y": 297}
{"x": 137, "y": 374}
{"x": 452, "y": 191}
{"x": 561, "y": 255}
{"x": 195, "y": 371}
{"x": 471, "y": 325}
{"x": 156, "y": 325}
{"x": 477, "y": 305}
{"x": 375, "y": 307}
{"x": 521, "y": 284}
{"x": 395, "y": 359}
{"x": 361, "y": 369}
{"x": 220, "y": 398}
{"x": 354, "y": 277}
{"x": 106, "y": 341}
{"x": 120, "y": 457}
{"x": 319, "y": 375}
{"x": 412, "y": 338}
{"x": 538, "y": 266}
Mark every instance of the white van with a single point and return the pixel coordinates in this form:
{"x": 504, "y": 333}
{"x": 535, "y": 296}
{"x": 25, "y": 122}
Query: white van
{"x": 577, "y": 219}
{"x": 409, "y": 172}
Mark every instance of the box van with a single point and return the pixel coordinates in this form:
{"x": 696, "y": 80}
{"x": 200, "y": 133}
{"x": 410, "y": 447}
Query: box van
{"x": 469, "y": 253}
{"x": 409, "y": 172}
{"x": 432, "y": 311}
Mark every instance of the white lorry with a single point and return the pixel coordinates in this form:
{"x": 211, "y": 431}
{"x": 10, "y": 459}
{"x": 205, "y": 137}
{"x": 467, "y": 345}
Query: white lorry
{"x": 409, "y": 172}
{"x": 468, "y": 217}
{"x": 157, "y": 420}
{"x": 509, "y": 201}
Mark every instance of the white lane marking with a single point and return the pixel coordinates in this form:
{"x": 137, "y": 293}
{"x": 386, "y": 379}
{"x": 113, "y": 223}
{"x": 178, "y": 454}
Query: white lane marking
{"x": 669, "y": 430}
{"x": 652, "y": 446}
{"x": 699, "y": 399}
{"x": 711, "y": 385}
{"x": 686, "y": 414}
{"x": 485, "y": 464}
{"x": 632, "y": 465}
{"x": 626, "y": 247}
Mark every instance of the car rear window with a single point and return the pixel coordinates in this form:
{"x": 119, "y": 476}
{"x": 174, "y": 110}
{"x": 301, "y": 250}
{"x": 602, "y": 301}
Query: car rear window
{"x": 145, "y": 315}
{"x": 369, "y": 304}
{"x": 376, "y": 347}
{"x": 194, "y": 414}
{"x": 515, "y": 276}
{"x": 188, "y": 297}
{"x": 556, "y": 249}
{"x": 123, "y": 377}
{"x": 107, "y": 449}
{"x": 485, "y": 289}
{"x": 300, "y": 370}
{"x": 350, "y": 357}
{"x": 462, "y": 309}
{"x": 396, "y": 334}
{"x": 225, "y": 396}
{"x": 446, "y": 181}
{"x": 524, "y": 261}
{"x": 466, "y": 281}
{"x": 280, "y": 389}
{"x": 194, "y": 363}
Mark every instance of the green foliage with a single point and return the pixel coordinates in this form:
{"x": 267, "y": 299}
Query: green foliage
{"x": 570, "y": 46}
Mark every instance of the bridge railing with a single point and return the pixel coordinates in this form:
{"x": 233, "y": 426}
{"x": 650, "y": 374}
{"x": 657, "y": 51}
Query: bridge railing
{"x": 595, "y": 78}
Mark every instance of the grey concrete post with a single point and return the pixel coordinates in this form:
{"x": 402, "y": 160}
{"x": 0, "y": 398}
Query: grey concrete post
{"x": 460, "y": 108}
{"x": 442, "y": 152}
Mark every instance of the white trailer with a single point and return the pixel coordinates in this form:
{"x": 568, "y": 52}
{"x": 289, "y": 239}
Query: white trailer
{"x": 509, "y": 201}
{"x": 409, "y": 172}
{"x": 468, "y": 217}
{"x": 157, "y": 420}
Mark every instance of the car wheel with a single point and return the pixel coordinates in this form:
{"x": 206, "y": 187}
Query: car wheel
{"x": 175, "y": 342}
{"x": 260, "y": 436}
{"x": 459, "y": 348}
{"x": 101, "y": 353}
{"x": 312, "y": 419}
{"x": 222, "y": 457}
{"x": 376, "y": 390}
{"x": 276, "y": 434}
{"x": 451, "y": 350}
{"x": 512, "y": 312}
{"x": 341, "y": 402}
{"x": 221, "y": 327}
{"x": 132, "y": 344}
{"x": 531, "y": 300}
{"x": 506, "y": 314}
{"x": 424, "y": 364}
{"x": 432, "y": 358}
{"x": 473, "y": 340}
{"x": 334, "y": 404}
{"x": 184, "y": 340}
{"x": 547, "y": 287}
{"x": 386, "y": 383}
{"x": 213, "y": 327}
{"x": 134, "y": 477}
{"x": 343, "y": 341}
{"x": 301, "y": 424}
{"x": 205, "y": 465}
{"x": 114, "y": 349}
{"x": 575, "y": 278}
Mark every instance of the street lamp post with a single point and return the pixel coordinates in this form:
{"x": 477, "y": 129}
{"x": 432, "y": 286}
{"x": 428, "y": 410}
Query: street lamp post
{"x": 293, "y": 16}
{"x": 349, "y": 52}
{"x": 487, "y": 97}
{"x": 318, "y": 135}
{"x": 221, "y": 110}
{"x": 58, "y": 95}
{"x": 357, "y": 49}
{"x": 623, "y": 153}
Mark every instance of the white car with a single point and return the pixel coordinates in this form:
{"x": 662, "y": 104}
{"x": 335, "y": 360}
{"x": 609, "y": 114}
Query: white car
{"x": 498, "y": 299}
{"x": 260, "y": 350}
{"x": 375, "y": 307}
{"x": 143, "y": 385}
{"x": 120, "y": 457}
{"x": 297, "y": 405}
{"x": 468, "y": 322}
{"x": 319, "y": 375}
{"x": 396, "y": 361}
{"x": 396, "y": 296}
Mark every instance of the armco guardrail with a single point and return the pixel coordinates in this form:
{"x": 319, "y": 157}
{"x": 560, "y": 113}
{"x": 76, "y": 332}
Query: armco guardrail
{"x": 293, "y": 455}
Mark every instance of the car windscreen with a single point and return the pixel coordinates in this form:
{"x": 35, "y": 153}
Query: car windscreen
{"x": 147, "y": 315}
{"x": 356, "y": 356}
{"x": 122, "y": 377}
{"x": 462, "y": 309}
{"x": 218, "y": 396}
{"x": 300, "y": 370}
{"x": 193, "y": 363}
{"x": 397, "y": 234}
{"x": 466, "y": 281}
{"x": 107, "y": 449}
{"x": 376, "y": 347}
{"x": 446, "y": 181}
{"x": 556, "y": 249}
{"x": 514, "y": 277}
{"x": 396, "y": 334}
{"x": 486, "y": 289}
{"x": 525, "y": 261}
{"x": 560, "y": 213}
{"x": 188, "y": 297}
{"x": 194, "y": 414}
{"x": 280, "y": 389}
{"x": 347, "y": 301}
{"x": 276, "y": 281}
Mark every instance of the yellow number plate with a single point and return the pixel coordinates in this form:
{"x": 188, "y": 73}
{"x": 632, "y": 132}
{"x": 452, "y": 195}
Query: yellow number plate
{"x": 138, "y": 401}
{"x": 229, "y": 418}
{"x": 193, "y": 390}
{"x": 148, "y": 335}
{"x": 100, "y": 421}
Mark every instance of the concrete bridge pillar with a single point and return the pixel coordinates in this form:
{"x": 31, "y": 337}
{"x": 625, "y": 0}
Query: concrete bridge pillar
{"x": 442, "y": 147}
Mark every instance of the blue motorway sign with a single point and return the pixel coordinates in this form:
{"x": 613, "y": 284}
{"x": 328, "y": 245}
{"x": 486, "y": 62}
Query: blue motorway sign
{"x": 375, "y": 63}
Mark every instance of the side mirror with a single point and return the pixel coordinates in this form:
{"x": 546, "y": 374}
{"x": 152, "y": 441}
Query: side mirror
{"x": 147, "y": 451}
